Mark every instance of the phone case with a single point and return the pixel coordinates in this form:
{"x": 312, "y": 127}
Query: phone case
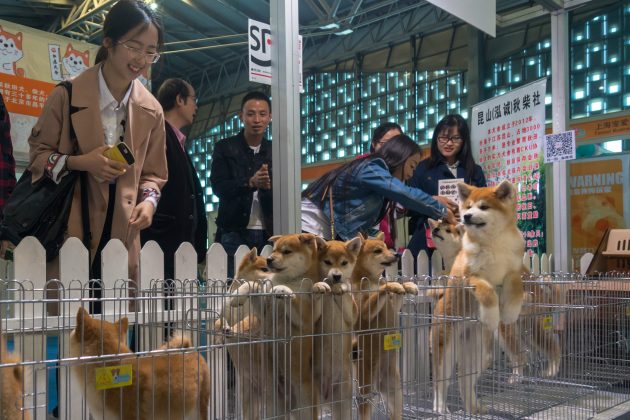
{"x": 120, "y": 152}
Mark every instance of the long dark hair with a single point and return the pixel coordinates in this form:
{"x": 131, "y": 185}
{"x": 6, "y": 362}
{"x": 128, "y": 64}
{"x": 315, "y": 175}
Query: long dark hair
{"x": 395, "y": 153}
{"x": 464, "y": 156}
{"x": 380, "y": 131}
{"x": 124, "y": 16}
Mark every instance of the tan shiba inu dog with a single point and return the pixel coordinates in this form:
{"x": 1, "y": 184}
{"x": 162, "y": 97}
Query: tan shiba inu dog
{"x": 379, "y": 303}
{"x": 295, "y": 267}
{"x": 332, "y": 359}
{"x": 539, "y": 297}
{"x": 491, "y": 263}
{"x": 240, "y": 324}
{"x": 11, "y": 386}
{"x": 166, "y": 386}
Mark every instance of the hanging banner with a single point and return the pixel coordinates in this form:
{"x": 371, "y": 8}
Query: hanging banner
{"x": 507, "y": 135}
{"x": 597, "y": 190}
{"x": 32, "y": 62}
{"x": 259, "y": 40}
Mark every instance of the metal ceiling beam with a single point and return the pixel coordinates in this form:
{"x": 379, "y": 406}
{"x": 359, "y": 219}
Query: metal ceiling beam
{"x": 87, "y": 10}
{"x": 551, "y": 5}
{"x": 48, "y": 3}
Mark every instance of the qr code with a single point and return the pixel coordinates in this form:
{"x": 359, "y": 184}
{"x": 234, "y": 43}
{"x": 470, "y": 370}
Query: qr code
{"x": 560, "y": 146}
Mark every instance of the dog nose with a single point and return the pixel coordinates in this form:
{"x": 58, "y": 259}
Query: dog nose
{"x": 398, "y": 255}
{"x": 336, "y": 278}
{"x": 269, "y": 260}
{"x": 467, "y": 217}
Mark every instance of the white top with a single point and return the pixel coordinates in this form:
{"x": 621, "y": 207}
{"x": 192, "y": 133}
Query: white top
{"x": 255, "y": 215}
{"x": 112, "y": 111}
{"x": 314, "y": 220}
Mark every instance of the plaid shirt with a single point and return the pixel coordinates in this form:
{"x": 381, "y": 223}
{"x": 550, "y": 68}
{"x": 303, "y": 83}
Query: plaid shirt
{"x": 7, "y": 163}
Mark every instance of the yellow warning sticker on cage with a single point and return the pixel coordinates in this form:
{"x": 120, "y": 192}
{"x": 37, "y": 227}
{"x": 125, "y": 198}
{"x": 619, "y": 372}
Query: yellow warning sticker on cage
{"x": 627, "y": 310}
{"x": 547, "y": 323}
{"x": 109, "y": 377}
{"x": 392, "y": 341}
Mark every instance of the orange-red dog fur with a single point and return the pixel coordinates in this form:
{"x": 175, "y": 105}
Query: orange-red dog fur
{"x": 11, "y": 386}
{"x": 165, "y": 386}
{"x": 491, "y": 261}
{"x": 379, "y": 305}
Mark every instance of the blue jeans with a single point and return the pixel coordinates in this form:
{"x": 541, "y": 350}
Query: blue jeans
{"x": 231, "y": 240}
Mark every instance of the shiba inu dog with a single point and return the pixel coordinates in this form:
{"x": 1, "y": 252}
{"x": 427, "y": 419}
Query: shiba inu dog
{"x": 539, "y": 296}
{"x": 290, "y": 314}
{"x": 490, "y": 264}
{"x": 379, "y": 303}
{"x": 332, "y": 359}
{"x": 165, "y": 386}
{"x": 241, "y": 328}
{"x": 11, "y": 386}
{"x": 447, "y": 239}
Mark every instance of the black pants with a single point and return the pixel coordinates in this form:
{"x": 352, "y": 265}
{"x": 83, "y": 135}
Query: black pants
{"x": 95, "y": 270}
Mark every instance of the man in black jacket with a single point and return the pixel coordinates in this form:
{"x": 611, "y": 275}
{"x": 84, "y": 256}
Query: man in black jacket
{"x": 181, "y": 214}
{"x": 241, "y": 178}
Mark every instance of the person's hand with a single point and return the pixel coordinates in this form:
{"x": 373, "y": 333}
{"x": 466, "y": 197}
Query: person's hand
{"x": 261, "y": 179}
{"x": 142, "y": 216}
{"x": 450, "y": 217}
{"x": 98, "y": 165}
{"x": 448, "y": 203}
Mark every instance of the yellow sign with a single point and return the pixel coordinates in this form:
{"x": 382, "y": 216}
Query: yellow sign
{"x": 547, "y": 323}
{"x": 392, "y": 341}
{"x": 627, "y": 310}
{"x": 113, "y": 377}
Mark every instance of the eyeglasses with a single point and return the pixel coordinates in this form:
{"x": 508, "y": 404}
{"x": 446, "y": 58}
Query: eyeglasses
{"x": 138, "y": 53}
{"x": 453, "y": 139}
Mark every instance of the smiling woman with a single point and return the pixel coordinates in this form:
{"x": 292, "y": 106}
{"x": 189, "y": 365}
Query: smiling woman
{"x": 108, "y": 105}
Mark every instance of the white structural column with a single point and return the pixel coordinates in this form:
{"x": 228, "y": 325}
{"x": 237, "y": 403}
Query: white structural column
{"x": 286, "y": 117}
{"x": 559, "y": 94}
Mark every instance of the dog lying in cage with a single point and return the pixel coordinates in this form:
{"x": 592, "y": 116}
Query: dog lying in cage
{"x": 162, "y": 385}
{"x": 11, "y": 386}
{"x": 488, "y": 269}
{"x": 534, "y": 329}
{"x": 379, "y": 304}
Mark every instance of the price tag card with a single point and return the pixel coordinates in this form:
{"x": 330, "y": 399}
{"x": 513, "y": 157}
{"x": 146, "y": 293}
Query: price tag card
{"x": 109, "y": 377}
{"x": 392, "y": 341}
{"x": 448, "y": 188}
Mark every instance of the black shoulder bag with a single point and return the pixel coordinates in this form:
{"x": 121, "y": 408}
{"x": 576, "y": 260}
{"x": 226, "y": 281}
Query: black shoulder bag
{"x": 42, "y": 209}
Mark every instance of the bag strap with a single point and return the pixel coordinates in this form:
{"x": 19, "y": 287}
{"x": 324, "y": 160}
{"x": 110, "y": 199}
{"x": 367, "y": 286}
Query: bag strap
{"x": 85, "y": 216}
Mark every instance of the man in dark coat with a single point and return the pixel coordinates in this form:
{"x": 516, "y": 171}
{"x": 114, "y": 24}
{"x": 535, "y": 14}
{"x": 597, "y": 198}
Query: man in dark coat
{"x": 181, "y": 214}
{"x": 241, "y": 178}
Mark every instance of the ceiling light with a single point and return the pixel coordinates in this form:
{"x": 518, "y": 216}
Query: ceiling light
{"x": 344, "y": 32}
{"x": 330, "y": 26}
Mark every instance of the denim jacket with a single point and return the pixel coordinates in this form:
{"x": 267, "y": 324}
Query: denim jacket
{"x": 358, "y": 198}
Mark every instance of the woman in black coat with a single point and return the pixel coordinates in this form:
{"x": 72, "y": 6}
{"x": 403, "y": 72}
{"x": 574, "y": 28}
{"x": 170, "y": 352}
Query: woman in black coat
{"x": 451, "y": 158}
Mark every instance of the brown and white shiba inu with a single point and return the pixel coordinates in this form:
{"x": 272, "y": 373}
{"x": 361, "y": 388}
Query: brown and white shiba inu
{"x": 166, "y": 386}
{"x": 11, "y": 386}
{"x": 332, "y": 359}
{"x": 379, "y": 303}
{"x": 539, "y": 297}
{"x": 295, "y": 267}
{"x": 241, "y": 327}
{"x": 490, "y": 263}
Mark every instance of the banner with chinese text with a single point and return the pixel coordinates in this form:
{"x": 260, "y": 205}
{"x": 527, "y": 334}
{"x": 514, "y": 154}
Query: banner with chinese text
{"x": 32, "y": 62}
{"x": 599, "y": 194}
{"x": 507, "y": 135}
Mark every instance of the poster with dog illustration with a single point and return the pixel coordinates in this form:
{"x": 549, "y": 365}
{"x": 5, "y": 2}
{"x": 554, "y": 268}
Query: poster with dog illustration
{"x": 599, "y": 200}
{"x": 32, "y": 62}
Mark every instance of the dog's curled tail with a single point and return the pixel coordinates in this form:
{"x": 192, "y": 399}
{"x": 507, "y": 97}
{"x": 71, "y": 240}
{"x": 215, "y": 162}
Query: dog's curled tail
{"x": 179, "y": 341}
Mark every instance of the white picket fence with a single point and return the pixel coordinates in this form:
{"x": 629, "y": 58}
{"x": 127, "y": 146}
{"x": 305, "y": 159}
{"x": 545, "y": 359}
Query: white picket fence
{"x": 32, "y": 323}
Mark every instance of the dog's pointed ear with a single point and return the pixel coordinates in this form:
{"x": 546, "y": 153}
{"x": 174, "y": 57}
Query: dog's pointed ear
{"x": 505, "y": 190}
{"x": 253, "y": 253}
{"x": 460, "y": 228}
{"x": 354, "y": 245}
{"x": 83, "y": 317}
{"x": 464, "y": 191}
{"x": 380, "y": 236}
{"x": 433, "y": 223}
{"x": 321, "y": 244}
{"x": 307, "y": 238}
{"x": 123, "y": 324}
{"x": 273, "y": 239}
{"x": 363, "y": 236}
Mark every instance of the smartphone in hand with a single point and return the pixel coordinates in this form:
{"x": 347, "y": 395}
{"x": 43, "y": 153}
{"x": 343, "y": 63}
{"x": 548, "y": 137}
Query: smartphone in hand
{"x": 120, "y": 152}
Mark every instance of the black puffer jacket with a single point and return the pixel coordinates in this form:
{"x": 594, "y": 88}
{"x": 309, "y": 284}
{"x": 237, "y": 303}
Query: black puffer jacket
{"x": 233, "y": 164}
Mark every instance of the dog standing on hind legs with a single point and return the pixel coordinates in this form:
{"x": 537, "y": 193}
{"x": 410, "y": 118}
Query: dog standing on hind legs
{"x": 379, "y": 303}
{"x": 490, "y": 265}
{"x": 332, "y": 358}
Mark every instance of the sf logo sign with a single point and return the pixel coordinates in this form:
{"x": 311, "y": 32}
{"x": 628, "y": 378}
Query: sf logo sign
{"x": 259, "y": 37}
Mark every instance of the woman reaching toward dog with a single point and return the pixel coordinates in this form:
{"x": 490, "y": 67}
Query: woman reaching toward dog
{"x": 360, "y": 191}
